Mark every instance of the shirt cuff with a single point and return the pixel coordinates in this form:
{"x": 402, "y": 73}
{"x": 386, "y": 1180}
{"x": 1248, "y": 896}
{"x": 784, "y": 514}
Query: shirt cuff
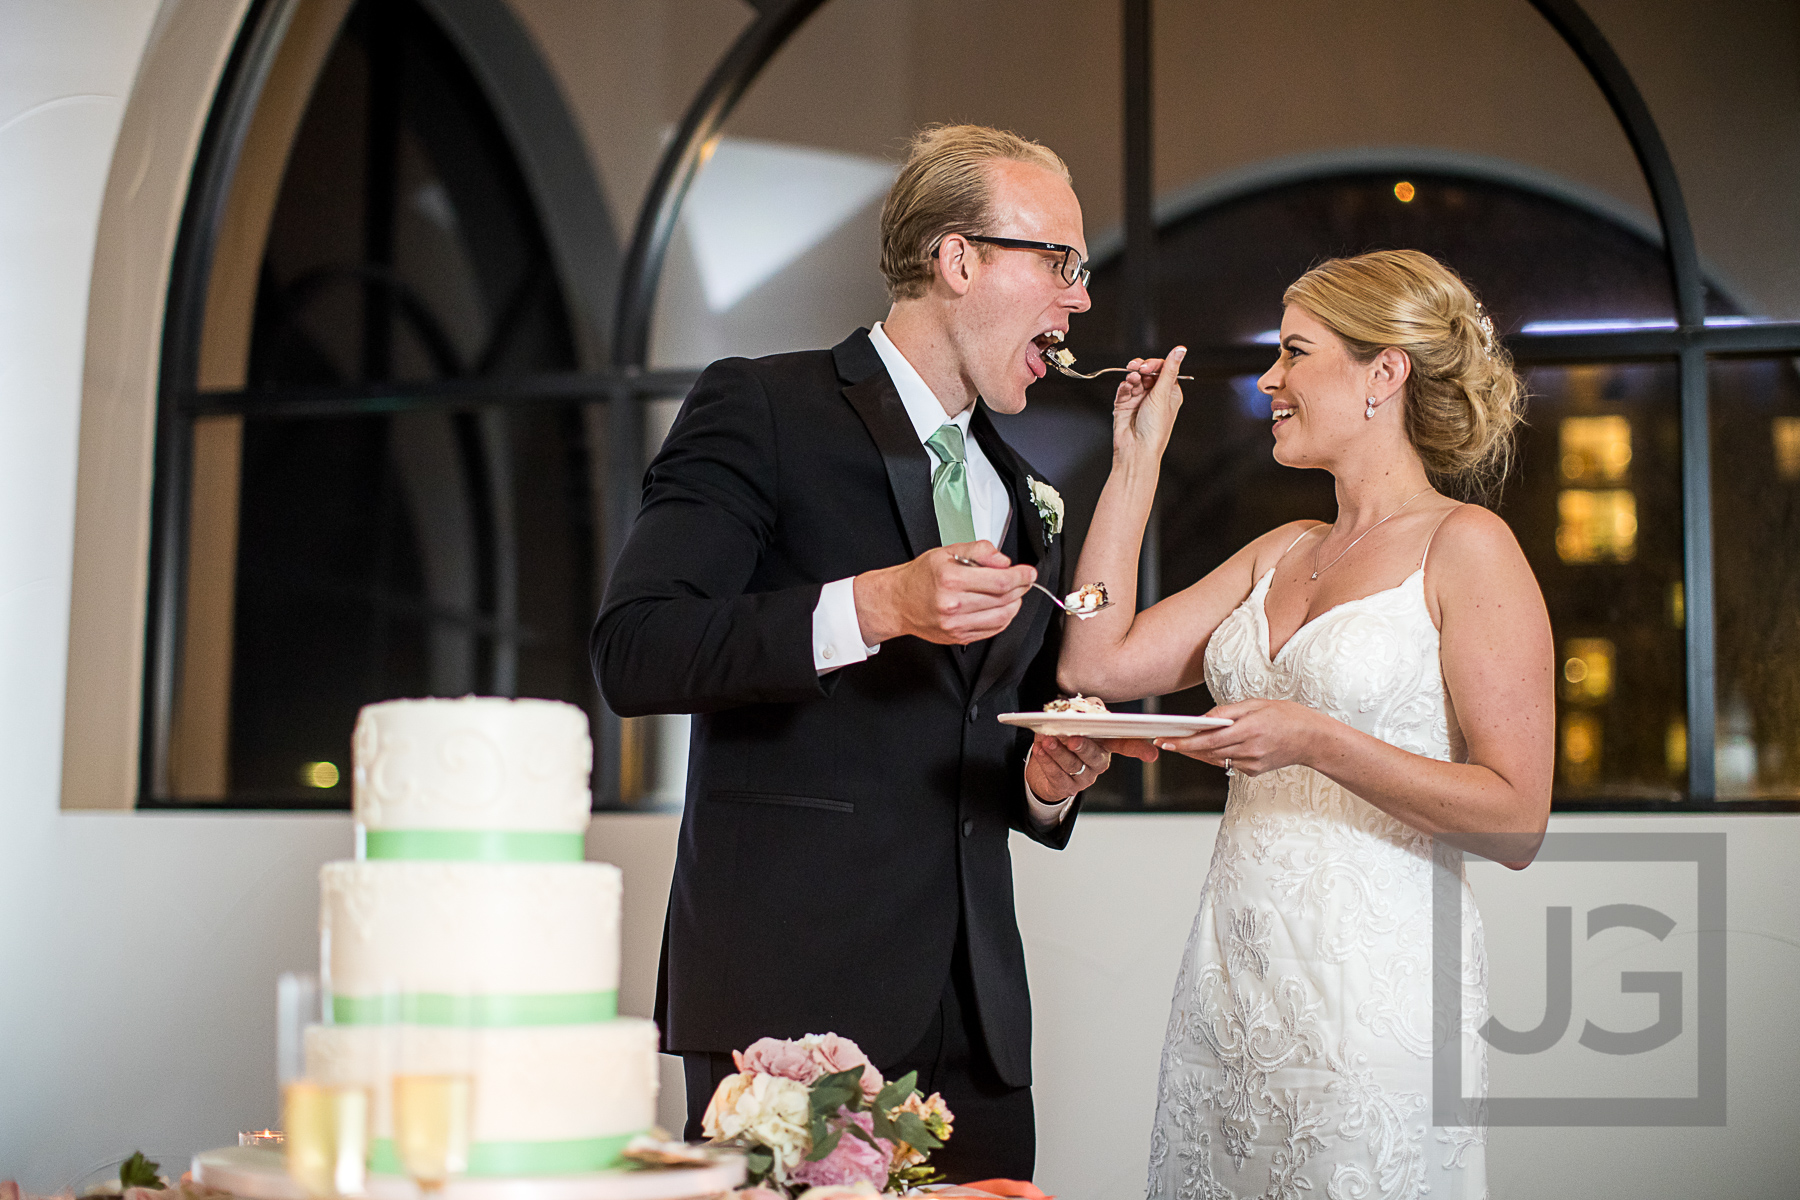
{"x": 836, "y": 633}
{"x": 1044, "y": 815}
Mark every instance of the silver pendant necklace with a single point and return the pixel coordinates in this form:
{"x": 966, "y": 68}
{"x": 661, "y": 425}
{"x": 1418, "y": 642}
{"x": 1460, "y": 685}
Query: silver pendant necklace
{"x": 1359, "y": 537}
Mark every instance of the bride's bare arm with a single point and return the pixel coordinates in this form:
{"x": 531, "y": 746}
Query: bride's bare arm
{"x": 1499, "y": 665}
{"x": 1122, "y": 654}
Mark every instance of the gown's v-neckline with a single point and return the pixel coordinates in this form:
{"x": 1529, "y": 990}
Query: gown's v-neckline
{"x": 1261, "y": 595}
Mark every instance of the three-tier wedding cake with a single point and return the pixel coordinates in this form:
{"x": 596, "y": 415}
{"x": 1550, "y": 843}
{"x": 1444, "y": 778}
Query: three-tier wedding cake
{"x": 469, "y": 935}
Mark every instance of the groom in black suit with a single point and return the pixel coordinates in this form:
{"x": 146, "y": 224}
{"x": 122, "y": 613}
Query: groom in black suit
{"x": 793, "y": 580}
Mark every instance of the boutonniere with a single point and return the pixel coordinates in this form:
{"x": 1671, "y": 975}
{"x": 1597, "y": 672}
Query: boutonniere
{"x": 1049, "y": 506}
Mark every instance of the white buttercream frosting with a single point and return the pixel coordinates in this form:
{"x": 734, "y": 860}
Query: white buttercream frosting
{"x": 524, "y": 940}
{"x": 475, "y": 763}
{"x": 460, "y": 928}
{"x": 532, "y": 1084}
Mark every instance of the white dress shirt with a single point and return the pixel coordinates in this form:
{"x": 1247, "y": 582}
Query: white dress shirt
{"x": 837, "y": 634}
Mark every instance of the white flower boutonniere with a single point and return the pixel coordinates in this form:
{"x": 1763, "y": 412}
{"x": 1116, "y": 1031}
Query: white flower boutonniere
{"x": 1049, "y": 505}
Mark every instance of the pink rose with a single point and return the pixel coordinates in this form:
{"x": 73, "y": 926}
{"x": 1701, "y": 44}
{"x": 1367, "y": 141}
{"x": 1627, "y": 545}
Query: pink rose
{"x": 772, "y": 1056}
{"x": 852, "y": 1160}
{"x": 756, "y": 1193}
{"x": 833, "y": 1053}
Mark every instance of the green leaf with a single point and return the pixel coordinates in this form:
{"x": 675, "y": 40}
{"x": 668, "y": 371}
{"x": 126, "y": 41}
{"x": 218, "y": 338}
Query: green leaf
{"x": 914, "y": 1177}
{"x": 822, "y": 1148}
{"x": 897, "y": 1090}
{"x": 884, "y": 1125}
{"x": 138, "y": 1171}
{"x": 758, "y": 1163}
{"x": 914, "y": 1133}
{"x": 842, "y": 1089}
{"x": 853, "y": 1127}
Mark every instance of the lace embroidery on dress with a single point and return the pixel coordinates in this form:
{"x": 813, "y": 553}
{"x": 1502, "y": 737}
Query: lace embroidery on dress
{"x": 1316, "y": 1083}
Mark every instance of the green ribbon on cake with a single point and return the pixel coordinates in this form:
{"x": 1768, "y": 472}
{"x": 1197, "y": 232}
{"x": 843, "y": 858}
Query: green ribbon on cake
{"x": 519, "y": 1158}
{"x": 493, "y": 1010}
{"x": 473, "y": 845}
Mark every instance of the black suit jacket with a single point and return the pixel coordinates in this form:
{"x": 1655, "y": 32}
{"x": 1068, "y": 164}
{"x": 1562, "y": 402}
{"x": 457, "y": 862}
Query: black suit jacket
{"x": 838, "y": 828}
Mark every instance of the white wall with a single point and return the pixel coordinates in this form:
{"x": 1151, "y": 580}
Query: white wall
{"x": 138, "y": 1008}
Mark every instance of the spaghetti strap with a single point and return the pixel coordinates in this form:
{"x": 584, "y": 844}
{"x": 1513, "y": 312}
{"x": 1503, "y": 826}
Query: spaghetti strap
{"x": 1433, "y": 537}
{"x": 1298, "y": 540}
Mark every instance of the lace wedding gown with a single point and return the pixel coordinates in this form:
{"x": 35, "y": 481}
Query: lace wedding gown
{"x": 1298, "y": 1059}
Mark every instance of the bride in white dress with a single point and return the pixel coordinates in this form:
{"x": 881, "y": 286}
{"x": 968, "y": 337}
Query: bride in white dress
{"x": 1389, "y": 679}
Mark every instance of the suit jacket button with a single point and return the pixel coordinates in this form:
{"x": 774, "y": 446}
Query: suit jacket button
{"x": 968, "y": 829}
{"x": 974, "y": 711}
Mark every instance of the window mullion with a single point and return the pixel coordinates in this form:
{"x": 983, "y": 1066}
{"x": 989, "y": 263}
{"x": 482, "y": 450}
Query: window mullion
{"x": 1697, "y": 585}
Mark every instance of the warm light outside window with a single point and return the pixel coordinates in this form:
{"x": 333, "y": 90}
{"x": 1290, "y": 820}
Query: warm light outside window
{"x": 1596, "y": 526}
{"x": 1587, "y": 670}
{"x": 1578, "y": 760}
{"x": 1785, "y": 433}
{"x": 1756, "y": 557}
{"x": 1595, "y": 450}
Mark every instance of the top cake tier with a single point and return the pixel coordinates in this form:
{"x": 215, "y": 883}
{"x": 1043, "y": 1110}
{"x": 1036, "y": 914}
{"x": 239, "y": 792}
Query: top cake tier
{"x": 475, "y": 764}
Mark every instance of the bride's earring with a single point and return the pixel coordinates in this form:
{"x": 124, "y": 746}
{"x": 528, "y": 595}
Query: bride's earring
{"x": 1369, "y": 412}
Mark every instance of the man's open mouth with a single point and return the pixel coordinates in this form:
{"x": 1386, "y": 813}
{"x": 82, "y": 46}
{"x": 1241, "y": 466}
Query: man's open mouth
{"x": 1049, "y": 344}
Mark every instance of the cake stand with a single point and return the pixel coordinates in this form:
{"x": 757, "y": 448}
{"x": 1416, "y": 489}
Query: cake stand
{"x": 259, "y": 1173}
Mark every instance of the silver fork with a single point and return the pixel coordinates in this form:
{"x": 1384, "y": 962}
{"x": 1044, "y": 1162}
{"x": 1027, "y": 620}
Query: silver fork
{"x": 1056, "y": 354}
{"x": 1080, "y": 614}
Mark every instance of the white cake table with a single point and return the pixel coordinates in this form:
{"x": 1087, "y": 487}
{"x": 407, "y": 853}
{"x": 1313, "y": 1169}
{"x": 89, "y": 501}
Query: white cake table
{"x": 258, "y": 1173}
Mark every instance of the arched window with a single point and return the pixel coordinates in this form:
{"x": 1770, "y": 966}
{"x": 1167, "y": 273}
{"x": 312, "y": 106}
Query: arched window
{"x": 375, "y": 507}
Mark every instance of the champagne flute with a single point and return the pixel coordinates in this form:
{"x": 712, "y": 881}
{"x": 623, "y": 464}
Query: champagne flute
{"x": 325, "y": 1123}
{"x": 434, "y": 1090}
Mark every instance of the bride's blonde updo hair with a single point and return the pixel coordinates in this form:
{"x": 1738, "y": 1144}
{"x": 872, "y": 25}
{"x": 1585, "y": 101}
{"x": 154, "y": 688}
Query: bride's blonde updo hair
{"x": 1463, "y": 400}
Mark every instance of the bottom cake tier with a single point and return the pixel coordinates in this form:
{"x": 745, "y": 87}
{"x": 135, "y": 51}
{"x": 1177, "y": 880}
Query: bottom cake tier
{"x": 547, "y": 1099}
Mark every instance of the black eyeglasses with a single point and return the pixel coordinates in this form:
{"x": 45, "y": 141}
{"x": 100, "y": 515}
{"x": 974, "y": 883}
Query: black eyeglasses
{"x": 1073, "y": 268}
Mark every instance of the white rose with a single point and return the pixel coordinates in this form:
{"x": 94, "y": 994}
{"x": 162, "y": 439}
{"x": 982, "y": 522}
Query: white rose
{"x": 775, "y": 1112}
{"x": 1049, "y": 505}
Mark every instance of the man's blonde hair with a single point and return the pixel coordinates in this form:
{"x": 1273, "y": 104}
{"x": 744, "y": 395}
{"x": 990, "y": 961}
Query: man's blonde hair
{"x": 945, "y": 188}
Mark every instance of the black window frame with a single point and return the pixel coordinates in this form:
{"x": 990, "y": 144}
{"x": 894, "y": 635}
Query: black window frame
{"x": 627, "y": 384}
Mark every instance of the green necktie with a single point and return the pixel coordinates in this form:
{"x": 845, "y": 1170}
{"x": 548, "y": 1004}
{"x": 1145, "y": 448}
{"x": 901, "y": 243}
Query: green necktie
{"x": 950, "y": 486}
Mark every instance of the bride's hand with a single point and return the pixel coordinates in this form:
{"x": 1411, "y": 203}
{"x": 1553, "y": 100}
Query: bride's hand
{"x": 1264, "y": 735}
{"x": 1145, "y": 405}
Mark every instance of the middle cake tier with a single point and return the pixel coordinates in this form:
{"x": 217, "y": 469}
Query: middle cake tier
{"x": 471, "y": 942}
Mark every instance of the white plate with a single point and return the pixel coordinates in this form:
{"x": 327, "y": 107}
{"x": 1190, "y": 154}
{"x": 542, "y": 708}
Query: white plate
{"x": 1112, "y": 725}
{"x": 260, "y": 1174}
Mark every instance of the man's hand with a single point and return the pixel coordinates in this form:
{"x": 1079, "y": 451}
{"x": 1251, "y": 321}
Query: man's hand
{"x": 936, "y": 598}
{"x": 1061, "y": 767}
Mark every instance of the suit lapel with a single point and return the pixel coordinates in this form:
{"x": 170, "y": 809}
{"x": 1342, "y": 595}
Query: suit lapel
{"x": 871, "y": 393}
{"x": 1035, "y": 614}
{"x": 908, "y": 464}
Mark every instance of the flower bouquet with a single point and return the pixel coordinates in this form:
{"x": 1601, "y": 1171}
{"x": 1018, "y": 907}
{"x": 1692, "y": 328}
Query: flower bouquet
{"x": 815, "y": 1113}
